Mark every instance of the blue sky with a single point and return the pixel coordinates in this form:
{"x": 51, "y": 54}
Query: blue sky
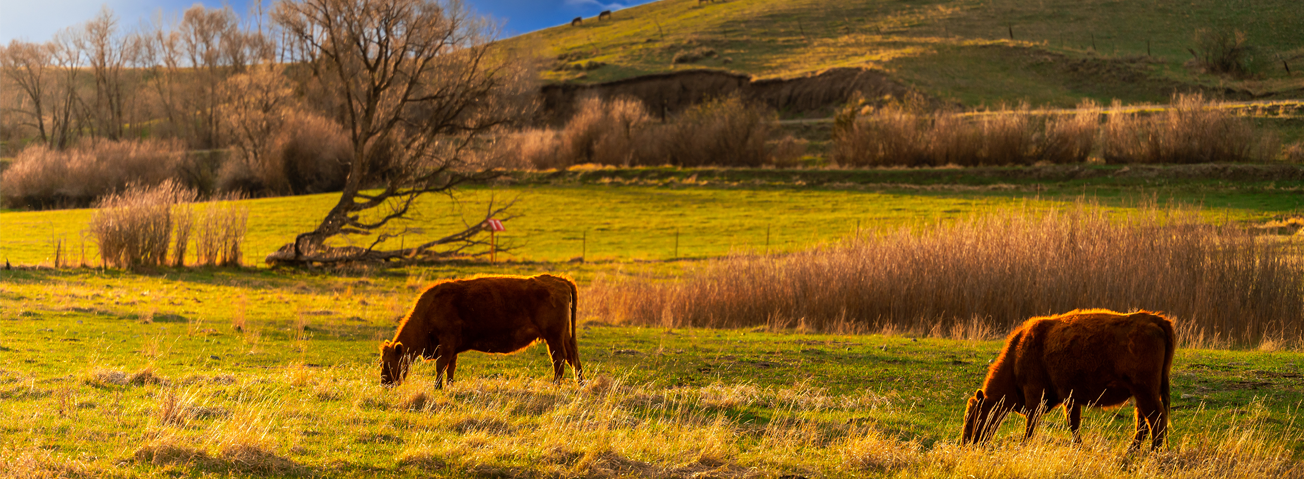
{"x": 38, "y": 20}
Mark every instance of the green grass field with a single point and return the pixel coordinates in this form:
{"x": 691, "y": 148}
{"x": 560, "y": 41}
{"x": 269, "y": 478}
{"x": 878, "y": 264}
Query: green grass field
{"x": 121, "y": 374}
{"x": 111, "y": 373}
{"x": 635, "y": 214}
{"x": 960, "y": 50}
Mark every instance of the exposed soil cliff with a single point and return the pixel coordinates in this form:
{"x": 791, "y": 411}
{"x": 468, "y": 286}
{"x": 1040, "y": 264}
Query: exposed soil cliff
{"x": 668, "y": 93}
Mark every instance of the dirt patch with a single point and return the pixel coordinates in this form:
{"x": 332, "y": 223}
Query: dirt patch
{"x": 667, "y": 93}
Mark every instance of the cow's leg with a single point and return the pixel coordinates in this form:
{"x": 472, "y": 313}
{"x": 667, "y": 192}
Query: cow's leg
{"x": 1073, "y": 411}
{"x": 1150, "y": 416}
{"x": 441, "y": 365}
{"x": 1034, "y": 410}
{"x": 573, "y": 357}
{"x": 557, "y": 349}
{"x": 1034, "y": 416}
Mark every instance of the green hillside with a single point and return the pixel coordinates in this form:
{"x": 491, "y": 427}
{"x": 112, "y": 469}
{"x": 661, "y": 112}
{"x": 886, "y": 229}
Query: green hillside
{"x": 1061, "y": 51}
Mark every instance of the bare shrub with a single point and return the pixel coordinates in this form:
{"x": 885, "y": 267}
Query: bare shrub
{"x": 1192, "y": 130}
{"x": 314, "y": 154}
{"x": 134, "y": 228}
{"x": 1220, "y": 280}
{"x": 307, "y": 154}
{"x": 602, "y": 132}
{"x": 535, "y": 148}
{"x": 220, "y": 230}
{"x": 788, "y": 151}
{"x": 723, "y": 132}
{"x": 1222, "y": 50}
{"x": 42, "y": 177}
{"x": 1293, "y": 153}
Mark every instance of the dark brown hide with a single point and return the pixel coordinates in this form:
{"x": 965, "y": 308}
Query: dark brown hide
{"x": 605, "y": 15}
{"x": 577, "y": 21}
{"x": 494, "y": 314}
{"x": 1093, "y": 357}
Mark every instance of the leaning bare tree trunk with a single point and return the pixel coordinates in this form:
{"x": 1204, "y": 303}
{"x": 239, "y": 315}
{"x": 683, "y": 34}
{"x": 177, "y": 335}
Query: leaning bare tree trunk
{"x": 414, "y": 85}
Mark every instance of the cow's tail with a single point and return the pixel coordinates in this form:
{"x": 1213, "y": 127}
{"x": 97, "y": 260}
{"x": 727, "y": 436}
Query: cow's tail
{"x": 574, "y": 342}
{"x": 575, "y": 299}
{"x": 1170, "y": 348}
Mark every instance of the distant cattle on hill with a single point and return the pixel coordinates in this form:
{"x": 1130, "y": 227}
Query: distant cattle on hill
{"x": 605, "y": 15}
{"x": 493, "y": 314}
{"x": 1093, "y": 357}
{"x": 577, "y": 21}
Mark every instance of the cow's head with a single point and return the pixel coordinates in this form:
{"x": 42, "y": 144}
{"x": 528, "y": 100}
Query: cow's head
{"x": 982, "y": 416}
{"x": 393, "y": 363}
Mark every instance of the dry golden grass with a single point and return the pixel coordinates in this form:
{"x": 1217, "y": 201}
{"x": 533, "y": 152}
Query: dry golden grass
{"x": 613, "y": 427}
{"x": 905, "y": 134}
{"x": 984, "y": 274}
{"x": 220, "y": 231}
{"x": 1192, "y": 130}
{"x": 134, "y": 228}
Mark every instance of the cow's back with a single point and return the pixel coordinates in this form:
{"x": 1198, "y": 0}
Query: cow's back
{"x": 492, "y": 314}
{"x": 1095, "y": 355}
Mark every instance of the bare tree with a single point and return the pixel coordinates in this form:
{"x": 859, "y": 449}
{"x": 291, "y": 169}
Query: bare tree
{"x": 28, "y": 65}
{"x": 414, "y": 84}
{"x": 255, "y": 105}
{"x": 68, "y": 110}
{"x": 108, "y": 54}
{"x": 189, "y": 59}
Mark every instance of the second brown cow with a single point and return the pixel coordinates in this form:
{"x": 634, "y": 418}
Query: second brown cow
{"x": 1093, "y": 357}
{"x": 493, "y": 314}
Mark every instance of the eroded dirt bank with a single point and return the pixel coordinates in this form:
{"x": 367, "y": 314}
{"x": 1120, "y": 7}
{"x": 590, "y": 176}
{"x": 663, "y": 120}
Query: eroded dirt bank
{"x": 667, "y": 93}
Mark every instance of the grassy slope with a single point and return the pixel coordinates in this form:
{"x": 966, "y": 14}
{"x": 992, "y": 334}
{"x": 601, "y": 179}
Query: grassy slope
{"x": 955, "y": 49}
{"x": 312, "y": 399}
{"x": 714, "y": 211}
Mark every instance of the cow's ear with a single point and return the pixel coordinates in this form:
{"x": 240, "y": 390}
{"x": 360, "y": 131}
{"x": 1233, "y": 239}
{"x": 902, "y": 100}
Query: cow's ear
{"x": 978, "y": 395}
{"x": 385, "y": 346}
{"x": 398, "y": 347}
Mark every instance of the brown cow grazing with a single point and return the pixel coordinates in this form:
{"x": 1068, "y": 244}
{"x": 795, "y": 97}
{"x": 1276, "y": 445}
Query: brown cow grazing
{"x": 577, "y": 21}
{"x": 1095, "y": 357}
{"x": 493, "y": 314}
{"x": 605, "y": 15}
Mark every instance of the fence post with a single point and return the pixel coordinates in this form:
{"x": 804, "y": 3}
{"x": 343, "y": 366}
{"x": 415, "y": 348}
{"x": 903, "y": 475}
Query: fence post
{"x": 767, "y": 240}
{"x": 676, "y": 243}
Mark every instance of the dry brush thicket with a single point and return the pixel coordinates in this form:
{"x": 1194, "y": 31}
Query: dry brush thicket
{"x": 1190, "y": 130}
{"x": 620, "y": 132}
{"x": 44, "y": 177}
{"x": 979, "y": 276}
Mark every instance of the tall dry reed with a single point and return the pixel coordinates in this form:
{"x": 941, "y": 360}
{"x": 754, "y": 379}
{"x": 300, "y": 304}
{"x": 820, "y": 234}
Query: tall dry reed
{"x": 901, "y": 135}
{"x": 1191, "y": 130}
{"x": 220, "y": 230}
{"x": 988, "y": 273}
{"x": 134, "y": 228}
